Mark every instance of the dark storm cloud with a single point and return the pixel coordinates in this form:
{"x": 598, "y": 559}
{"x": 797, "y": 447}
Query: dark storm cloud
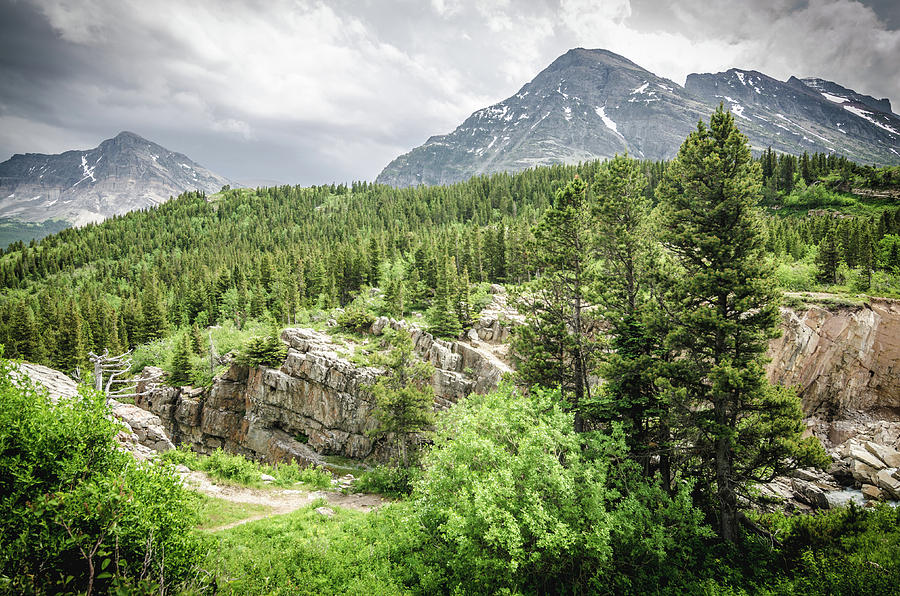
{"x": 312, "y": 92}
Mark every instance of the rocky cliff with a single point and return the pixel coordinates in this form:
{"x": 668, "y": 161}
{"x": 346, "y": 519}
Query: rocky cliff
{"x": 315, "y": 404}
{"x": 844, "y": 361}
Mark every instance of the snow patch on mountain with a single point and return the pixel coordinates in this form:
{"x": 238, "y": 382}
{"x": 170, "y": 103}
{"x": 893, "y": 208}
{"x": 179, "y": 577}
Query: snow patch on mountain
{"x": 832, "y": 97}
{"x": 868, "y": 116}
{"x": 608, "y": 122}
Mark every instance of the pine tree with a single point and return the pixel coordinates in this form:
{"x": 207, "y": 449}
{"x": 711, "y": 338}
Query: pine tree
{"x": 622, "y": 214}
{"x": 442, "y": 318}
{"x": 181, "y": 362}
{"x": 24, "y": 339}
{"x": 829, "y": 258}
{"x": 555, "y": 348}
{"x": 71, "y": 349}
{"x": 724, "y": 310}
{"x": 404, "y": 397}
{"x": 153, "y": 322}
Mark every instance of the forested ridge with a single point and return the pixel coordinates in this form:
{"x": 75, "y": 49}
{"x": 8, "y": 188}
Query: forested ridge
{"x": 662, "y": 279}
{"x": 270, "y": 252}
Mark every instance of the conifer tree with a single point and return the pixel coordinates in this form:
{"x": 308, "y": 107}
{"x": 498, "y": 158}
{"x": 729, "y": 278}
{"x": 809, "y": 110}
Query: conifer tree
{"x": 71, "y": 348}
{"x": 724, "y": 310}
{"x": 181, "y": 362}
{"x": 829, "y": 258}
{"x": 555, "y": 347}
{"x": 404, "y": 397}
{"x": 621, "y": 215}
{"x": 442, "y": 318}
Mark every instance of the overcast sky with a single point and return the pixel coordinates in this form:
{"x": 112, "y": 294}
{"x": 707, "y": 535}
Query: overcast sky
{"x": 316, "y": 92}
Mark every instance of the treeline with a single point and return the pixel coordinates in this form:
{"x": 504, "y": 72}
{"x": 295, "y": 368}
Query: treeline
{"x": 272, "y": 253}
{"x": 781, "y": 172}
{"x": 261, "y": 254}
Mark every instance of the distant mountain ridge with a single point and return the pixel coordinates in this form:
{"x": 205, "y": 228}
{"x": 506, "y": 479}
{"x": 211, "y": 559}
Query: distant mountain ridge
{"x": 592, "y": 104}
{"x": 122, "y": 174}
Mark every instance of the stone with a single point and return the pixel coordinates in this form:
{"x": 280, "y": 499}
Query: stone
{"x": 809, "y": 493}
{"x": 841, "y": 472}
{"x": 888, "y": 483}
{"x": 872, "y": 492}
{"x": 865, "y": 456}
{"x": 862, "y": 473}
{"x": 325, "y": 511}
{"x": 266, "y": 478}
{"x": 890, "y": 457}
{"x": 843, "y": 360}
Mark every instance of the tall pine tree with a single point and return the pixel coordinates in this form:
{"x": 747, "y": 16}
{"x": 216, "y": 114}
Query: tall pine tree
{"x": 724, "y": 309}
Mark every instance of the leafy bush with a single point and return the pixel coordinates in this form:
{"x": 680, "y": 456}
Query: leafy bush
{"x": 76, "y": 513}
{"x": 391, "y": 481}
{"x": 507, "y": 498}
{"x": 797, "y": 276}
{"x": 356, "y": 320}
{"x": 289, "y": 473}
{"x": 235, "y": 468}
{"x": 230, "y": 467}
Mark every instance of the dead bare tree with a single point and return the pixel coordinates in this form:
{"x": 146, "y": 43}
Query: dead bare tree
{"x": 114, "y": 370}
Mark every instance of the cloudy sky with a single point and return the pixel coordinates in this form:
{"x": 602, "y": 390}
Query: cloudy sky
{"x": 314, "y": 92}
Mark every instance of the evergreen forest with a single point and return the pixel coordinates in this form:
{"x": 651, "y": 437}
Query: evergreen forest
{"x": 624, "y": 455}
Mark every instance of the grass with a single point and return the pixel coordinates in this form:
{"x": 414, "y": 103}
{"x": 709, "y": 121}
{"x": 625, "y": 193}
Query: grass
{"x": 215, "y": 512}
{"x": 237, "y": 469}
{"x": 307, "y": 553}
{"x": 800, "y": 203}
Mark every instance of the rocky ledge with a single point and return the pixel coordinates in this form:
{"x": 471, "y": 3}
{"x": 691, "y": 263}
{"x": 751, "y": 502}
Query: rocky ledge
{"x": 316, "y": 403}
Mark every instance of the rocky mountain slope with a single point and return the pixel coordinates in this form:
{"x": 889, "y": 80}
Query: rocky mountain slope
{"x": 122, "y": 174}
{"x": 591, "y": 104}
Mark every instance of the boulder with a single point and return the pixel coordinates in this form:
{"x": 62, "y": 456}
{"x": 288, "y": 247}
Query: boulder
{"x": 863, "y": 455}
{"x": 887, "y": 481}
{"x": 809, "y": 493}
{"x": 872, "y": 492}
{"x": 890, "y": 457}
{"x": 862, "y": 473}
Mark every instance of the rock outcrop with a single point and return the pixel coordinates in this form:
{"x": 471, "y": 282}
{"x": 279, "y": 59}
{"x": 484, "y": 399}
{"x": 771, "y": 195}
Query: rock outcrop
{"x": 845, "y": 364}
{"x": 844, "y": 361}
{"x": 317, "y": 403}
{"x": 142, "y": 433}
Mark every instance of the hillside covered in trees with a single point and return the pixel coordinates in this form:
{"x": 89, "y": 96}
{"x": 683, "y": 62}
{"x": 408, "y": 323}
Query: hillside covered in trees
{"x": 272, "y": 253}
{"x": 661, "y": 279}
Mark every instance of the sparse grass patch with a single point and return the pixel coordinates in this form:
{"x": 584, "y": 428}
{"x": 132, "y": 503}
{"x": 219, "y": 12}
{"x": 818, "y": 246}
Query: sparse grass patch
{"x": 215, "y": 512}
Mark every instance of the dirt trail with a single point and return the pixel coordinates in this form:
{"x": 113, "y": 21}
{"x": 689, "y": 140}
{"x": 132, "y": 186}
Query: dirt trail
{"x": 280, "y": 501}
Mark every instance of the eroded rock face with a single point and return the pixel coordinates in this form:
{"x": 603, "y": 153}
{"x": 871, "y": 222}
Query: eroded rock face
{"x": 317, "y": 403}
{"x": 843, "y": 362}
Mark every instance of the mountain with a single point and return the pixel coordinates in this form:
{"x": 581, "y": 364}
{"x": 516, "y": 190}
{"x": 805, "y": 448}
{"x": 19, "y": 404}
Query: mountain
{"x": 123, "y": 174}
{"x": 795, "y": 116}
{"x": 591, "y": 104}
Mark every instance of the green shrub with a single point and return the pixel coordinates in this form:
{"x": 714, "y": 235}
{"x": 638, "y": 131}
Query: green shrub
{"x": 263, "y": 351}
{"x": 391, "y": 481}
{"x": 289, "y": 473}
{"x": 69, "y": 496}
{"x": 507, "y": 499}
{"x": 183, "y": 456}
{"x": 231, "y": 467}
{"x": 356, "y": 320}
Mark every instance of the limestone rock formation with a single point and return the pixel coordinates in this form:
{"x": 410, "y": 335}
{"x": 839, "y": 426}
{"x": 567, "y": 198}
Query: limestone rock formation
{"x": 843, "y": 361}
{"x": 142, "y": 433}
{"x": 317, "y": 403}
